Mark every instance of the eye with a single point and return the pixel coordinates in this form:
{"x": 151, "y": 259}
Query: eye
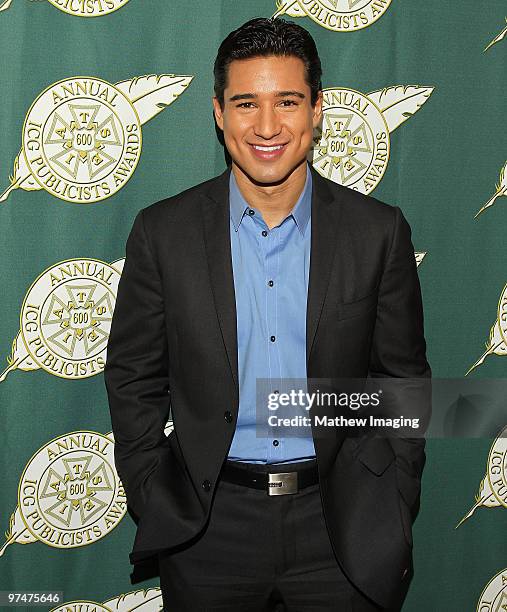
{"x": 288, "y": 103}
{"x": 244, "y": 105}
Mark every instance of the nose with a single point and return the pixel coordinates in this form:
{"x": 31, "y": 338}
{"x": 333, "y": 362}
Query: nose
{"x": 267, "y": 124}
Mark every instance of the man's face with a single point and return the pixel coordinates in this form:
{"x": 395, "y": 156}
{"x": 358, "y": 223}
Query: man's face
{"x": 267, "y": 119}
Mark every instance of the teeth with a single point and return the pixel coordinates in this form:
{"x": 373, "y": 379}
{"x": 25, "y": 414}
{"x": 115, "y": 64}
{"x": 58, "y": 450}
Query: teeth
{"x": 260, "y": 148}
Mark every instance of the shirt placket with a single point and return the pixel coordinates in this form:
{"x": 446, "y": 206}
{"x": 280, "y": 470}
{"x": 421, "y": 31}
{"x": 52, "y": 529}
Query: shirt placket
{"x": 274, "y": 450}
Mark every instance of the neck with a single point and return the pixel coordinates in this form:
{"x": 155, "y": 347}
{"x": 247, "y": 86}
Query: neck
{"x": 276, "y": 200}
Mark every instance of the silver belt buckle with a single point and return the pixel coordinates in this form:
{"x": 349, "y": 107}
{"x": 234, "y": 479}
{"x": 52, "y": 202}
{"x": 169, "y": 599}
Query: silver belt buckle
{"x": 282, "y": 483}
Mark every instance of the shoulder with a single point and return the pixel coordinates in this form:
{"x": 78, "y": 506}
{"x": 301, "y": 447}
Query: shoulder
{"x": 357, "y": 207}
{"x": 366, "y": 218}
{"x": 186, "y": 204}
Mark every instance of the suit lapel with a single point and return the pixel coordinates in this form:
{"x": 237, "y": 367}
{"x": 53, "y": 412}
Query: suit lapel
{"x": 325, "y": 230}
{"x": 324, "y": 238}
{"x": 217, "y": 239}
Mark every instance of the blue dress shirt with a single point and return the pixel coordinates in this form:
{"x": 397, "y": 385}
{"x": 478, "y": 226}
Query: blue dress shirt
{"x": 271, "y": 270}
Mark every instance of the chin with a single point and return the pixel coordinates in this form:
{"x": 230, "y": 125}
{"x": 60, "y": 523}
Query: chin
{"x": 266, "y": 175}
{"x": 269, "y": 176}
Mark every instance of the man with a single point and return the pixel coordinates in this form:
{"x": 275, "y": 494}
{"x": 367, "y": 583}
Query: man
{"x": 268, "y": 271}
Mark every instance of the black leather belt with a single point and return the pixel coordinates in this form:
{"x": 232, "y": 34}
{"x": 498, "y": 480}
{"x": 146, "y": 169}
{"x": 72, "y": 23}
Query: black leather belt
{"x": 273, "y": 482}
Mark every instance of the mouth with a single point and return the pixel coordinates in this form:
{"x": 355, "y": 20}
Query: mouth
{"x": 268, "y": 152}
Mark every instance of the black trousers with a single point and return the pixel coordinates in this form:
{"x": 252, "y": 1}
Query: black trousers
{"x": 260, "y": 553}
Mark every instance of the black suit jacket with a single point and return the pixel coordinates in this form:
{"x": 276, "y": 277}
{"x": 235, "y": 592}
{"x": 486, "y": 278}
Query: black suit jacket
{"x": 173, "y": 345}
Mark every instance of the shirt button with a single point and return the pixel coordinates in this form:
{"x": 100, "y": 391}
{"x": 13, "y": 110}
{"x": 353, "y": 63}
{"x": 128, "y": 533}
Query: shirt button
{"x": 275, "y": 443}
{"x": 264, "y": 233}
{"x": 206, "y": 485}
{"x": 228, "y": 416}
{"x": 251, "y": 212}
{"x": 271, "y": 283}
{"x": 272, "y": 338}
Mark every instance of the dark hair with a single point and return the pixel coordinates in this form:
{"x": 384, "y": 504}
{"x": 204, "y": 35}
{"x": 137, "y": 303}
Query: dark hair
{"x": 263, "y": 37}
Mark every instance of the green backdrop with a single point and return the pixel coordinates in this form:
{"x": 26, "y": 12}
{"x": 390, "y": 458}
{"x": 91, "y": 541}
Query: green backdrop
{"x": 444, "y": 106}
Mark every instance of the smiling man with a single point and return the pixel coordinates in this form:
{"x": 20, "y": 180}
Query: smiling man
{"x": 268, "y": 271}
{"x": 268, "y": 112}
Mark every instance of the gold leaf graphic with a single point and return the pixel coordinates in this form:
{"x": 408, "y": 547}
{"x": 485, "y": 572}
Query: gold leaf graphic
{"x": 17, "y": 532}
{"x": 142, "y": 600}
{"x": 498, "y": 38}
{"x": 19, "y": 358}
{"x": 485, "y": 497}
{"x": 494, "y": 345}
{"x": 22, "y": 178}
{"x": 288, "y": 7}
{"x": 5, "y": 5}
{"x": 419, "y": 256}
{"x": 399, "y": 102}
{"x": 152, "y": 93}
{"x": 501, "y": 190}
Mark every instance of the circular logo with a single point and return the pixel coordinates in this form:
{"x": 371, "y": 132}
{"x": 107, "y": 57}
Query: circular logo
{"x": 497, "y": 468}
{"x": 66, "y": 317}
{"x": 502, "y": 314}
{"x": 344, "y": 15}
{"x": 70, "y": 494}
{"x": 82, "y": 605}
{"x": 82, "y": 139}
{"x": 352, "y": 146}
{"x": 494, "y": 596}
{"x": 95, "y": 8}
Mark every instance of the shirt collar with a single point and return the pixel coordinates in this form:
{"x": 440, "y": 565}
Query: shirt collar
{"x": 300, "y": 212}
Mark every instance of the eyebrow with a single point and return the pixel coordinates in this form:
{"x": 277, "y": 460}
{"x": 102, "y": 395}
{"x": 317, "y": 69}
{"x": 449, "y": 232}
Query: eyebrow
{"x": 278, "y": 94}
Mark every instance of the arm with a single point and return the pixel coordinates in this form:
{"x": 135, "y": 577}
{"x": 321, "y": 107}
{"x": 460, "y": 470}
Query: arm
{"x": 137, "y": 369}
{"x": 399, "y": 349}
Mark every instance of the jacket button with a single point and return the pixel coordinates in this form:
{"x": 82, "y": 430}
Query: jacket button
{"x": 405, "y": 572}
{"x": 206, "y": 485}
{"x": 228, "y": 416}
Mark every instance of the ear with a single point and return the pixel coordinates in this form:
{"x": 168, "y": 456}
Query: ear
{"x": 219, "y": 116}
{"x": 317, "y": 110}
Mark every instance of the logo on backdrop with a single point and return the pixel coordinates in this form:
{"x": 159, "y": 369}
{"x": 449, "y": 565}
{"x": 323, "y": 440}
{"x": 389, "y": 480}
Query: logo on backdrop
{"x": 493, "y": 488}
{"x": 65, "y": 319}
{"x": 498, "y": 38}
{"x": 70, "y": 494}
{"x": 352, "y": 145}
{"x": 419, "y": 256}
{"x": 336, "y": 15}
{"x": 501, "y": 190}
{"x": 498, "y": 333}
{"x": 95, "y": 8}
{"x": 82, "y": 137}
{"x": 142, "y": 600}
{"x": 494, "y": 596}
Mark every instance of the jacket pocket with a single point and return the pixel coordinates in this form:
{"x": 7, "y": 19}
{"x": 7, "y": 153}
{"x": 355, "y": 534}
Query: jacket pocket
{"x": 346, "y": 310}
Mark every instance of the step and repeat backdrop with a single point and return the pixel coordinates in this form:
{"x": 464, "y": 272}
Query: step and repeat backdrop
{"x": 106, "y": 108}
